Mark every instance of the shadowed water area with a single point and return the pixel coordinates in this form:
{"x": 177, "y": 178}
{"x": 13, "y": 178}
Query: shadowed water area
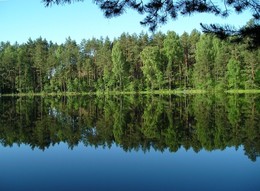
{"x": 185, "y": 142}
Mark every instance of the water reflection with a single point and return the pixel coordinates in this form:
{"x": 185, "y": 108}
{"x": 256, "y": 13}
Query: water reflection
{"x": 198, "y": 122}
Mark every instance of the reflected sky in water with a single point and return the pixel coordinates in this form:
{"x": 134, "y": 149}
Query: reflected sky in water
{"x": 89, "y": 168}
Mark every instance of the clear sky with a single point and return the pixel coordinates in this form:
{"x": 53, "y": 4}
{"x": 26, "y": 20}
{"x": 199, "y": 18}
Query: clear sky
{"x": 22, "y": 19}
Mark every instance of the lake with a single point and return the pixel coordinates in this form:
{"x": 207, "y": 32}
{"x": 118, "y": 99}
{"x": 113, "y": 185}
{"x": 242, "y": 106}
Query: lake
{"x": 149, "y": 142}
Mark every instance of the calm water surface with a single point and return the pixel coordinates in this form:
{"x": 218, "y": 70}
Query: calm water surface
{"x": 130, "y": 143}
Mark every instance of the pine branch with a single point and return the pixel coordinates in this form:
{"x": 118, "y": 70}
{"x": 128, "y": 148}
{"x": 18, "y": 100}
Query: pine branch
{"x": 159, "y": 11}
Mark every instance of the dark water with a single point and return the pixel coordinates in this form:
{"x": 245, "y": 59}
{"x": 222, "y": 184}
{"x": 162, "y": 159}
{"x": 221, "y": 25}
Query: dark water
{"x": 197, "y": 142}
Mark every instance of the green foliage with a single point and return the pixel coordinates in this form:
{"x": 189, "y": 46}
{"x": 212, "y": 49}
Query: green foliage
{"x": 233, "y": 73}
{"x": 151, "y": 67}
{"x": 202, "y": 74}
{"x": 118, "y": 69}
{"x": 221, "y": 57}
{"x": 174, "y": 53}
{"x": 132, "y": 63}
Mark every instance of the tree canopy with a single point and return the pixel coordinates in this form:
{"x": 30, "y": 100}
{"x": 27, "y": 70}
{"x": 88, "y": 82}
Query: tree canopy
{"x": 136, "y": 62}
{"x": 160, "y": 11}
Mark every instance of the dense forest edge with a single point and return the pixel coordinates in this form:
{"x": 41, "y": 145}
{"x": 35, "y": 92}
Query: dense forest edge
{"x": 160, "y": 63}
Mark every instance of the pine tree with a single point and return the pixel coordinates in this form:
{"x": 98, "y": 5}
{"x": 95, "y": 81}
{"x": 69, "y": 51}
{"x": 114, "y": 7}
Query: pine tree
{"x": 233, "y": 73}
{"x": 118, "y": 69}
{"x": 151, "y": 67}
{"x": 174, "y": 53}
{"x": 202, "y": 74}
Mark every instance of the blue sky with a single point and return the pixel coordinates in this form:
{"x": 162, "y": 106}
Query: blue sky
{"x": 22, "y": 19}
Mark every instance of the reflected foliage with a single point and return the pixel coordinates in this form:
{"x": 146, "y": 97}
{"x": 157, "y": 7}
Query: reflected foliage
{"x": 198, "y": 122}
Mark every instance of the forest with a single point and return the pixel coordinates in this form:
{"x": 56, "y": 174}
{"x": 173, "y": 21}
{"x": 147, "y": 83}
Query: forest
{"x": 129, "y": 63}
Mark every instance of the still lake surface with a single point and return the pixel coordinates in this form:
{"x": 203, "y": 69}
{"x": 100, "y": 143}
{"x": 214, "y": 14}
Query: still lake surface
{"x": 186, "y": 142}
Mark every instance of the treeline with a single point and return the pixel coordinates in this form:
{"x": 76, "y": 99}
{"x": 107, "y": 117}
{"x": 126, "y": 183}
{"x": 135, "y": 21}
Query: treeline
{"x": 129, "y": 63}
{"x": 197, "y": 122}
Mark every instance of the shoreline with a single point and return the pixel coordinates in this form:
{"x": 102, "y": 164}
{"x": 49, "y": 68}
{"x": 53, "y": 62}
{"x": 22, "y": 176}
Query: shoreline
{"x": 154, "y": 92}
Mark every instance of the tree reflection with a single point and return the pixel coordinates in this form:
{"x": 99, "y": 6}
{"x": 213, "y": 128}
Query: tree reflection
{"x": 134, "y": 122}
